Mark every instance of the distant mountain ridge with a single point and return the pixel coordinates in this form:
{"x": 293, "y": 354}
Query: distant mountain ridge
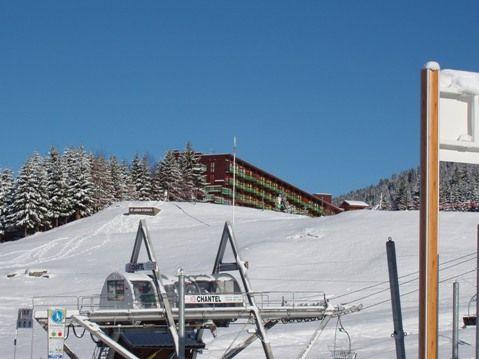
{"x": 459, "y": 189}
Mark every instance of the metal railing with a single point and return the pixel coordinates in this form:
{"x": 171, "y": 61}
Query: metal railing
{"x": 264, "y": 300}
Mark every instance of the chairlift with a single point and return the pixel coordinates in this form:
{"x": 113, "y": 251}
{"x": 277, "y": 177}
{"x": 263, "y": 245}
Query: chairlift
{"x": 470, "y": 318}
{"x": 344, "y": 352}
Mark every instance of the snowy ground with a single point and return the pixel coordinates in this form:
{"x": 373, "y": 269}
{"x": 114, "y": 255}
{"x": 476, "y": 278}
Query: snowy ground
{"x": 337, "y": 255}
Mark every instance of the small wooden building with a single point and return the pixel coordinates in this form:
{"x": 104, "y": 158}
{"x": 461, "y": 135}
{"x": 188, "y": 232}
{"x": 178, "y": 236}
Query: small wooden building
{"x": 349, "y": 205}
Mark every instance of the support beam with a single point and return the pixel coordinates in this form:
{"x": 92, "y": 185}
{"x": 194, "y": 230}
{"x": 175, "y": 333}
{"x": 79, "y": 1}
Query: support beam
{"x": 181, "y": 310}
{"x": 395, "y": 299}
{"x": 97, "y": 332}
{"x": 429, "y": 213}
{"x": 229, "y": 237}
{"x": 248, "y": 341}
{"x": 455, "y": 320}
{"x": 314, "y": 338}
{"x": 143, "y": 237}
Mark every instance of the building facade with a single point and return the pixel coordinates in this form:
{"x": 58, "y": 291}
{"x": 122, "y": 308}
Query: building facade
{"x": 258, "y": 189}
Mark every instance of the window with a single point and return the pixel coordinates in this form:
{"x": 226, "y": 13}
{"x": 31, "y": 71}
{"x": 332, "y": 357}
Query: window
{"x": 144, "y": 294}
{"x": 212, "y": 167}
{"x": 116, "y": 290}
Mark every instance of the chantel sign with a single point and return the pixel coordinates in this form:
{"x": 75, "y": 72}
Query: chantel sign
{"x": 56, "y": 332}
{"x": 214, "y": 299}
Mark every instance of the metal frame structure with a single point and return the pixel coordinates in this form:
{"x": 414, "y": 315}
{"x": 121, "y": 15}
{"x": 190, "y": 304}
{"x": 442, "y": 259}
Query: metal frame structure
{"x": 143, "y": 237}
{"x": 238, "y": 265}
{"x": 201, "y": 318}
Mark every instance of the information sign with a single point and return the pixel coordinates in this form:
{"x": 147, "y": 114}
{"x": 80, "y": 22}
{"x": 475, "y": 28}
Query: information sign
{"x": 56, "y": 332}
{"x": 213, "y": 299}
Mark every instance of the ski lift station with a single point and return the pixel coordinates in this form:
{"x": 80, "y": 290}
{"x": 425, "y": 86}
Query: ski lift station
{"x": 143, "y": 313}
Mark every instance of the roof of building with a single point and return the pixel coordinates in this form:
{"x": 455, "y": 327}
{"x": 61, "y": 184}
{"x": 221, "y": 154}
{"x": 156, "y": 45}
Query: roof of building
{"x": 240, "y": 161}
{"x": 355, "y": 203}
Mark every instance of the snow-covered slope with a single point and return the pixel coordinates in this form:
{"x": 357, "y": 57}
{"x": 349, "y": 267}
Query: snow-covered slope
{"x": 337, "y": 255}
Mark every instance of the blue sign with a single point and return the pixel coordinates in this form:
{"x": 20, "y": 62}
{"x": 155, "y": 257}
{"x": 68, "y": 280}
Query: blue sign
{"x": 57, "y": 316}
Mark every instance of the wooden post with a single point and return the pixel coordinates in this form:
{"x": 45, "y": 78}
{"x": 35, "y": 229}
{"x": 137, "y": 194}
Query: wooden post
{"x": 428, "y": 224}
{"x": 477, "y": 296}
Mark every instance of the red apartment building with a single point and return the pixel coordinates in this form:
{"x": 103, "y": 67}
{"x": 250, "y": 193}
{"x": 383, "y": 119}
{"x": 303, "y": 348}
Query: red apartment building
{"x": 259, "y": 189}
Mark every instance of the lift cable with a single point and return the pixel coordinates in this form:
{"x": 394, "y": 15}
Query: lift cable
{"x": 402, "y": 283}
{"x": 417, "y": 289}
{"x": 405, "y": 276}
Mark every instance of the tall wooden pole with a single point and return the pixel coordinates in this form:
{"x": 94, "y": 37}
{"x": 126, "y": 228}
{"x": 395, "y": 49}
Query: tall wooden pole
{"x": 428, "y": 225}
{"x": 477, "y": 296}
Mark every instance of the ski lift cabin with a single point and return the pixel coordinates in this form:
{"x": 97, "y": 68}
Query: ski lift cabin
{"x": 137, "y": 291}
{"x": 128, "y": 291}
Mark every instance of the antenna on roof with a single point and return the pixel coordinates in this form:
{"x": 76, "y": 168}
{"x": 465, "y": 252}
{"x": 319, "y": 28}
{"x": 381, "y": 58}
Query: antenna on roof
{"x": 234, "y": 177}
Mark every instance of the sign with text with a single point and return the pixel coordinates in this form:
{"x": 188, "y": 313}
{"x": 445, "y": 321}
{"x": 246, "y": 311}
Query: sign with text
{"x": 213, "y": 299}
{"x": 147, "y": 211}
{"x": 135, "y": 267}
{"x": 459, "y": 116}
{"x": 56, "y": 332}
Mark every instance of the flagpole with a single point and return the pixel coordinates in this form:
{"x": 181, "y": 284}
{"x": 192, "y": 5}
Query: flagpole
{"x": 234, "y": 177}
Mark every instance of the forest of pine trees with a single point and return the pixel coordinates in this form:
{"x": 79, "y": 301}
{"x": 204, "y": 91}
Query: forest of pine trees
{"x": 57, "y": 188}
{"x": 459, "y": 190}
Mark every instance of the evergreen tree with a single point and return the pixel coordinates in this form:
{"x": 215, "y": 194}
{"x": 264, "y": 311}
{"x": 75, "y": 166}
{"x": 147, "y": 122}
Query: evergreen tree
{"x": 192, "y": 174}
{"x": 169, "y": 176}
{"x": 119, "y": 179}
{"x": 80, "y": 184}
{"x": 140, "y": 178}
{"x": 103, "y": 183}
{"x": 6, "y": 188}
{"x": 157, "y": 190}
{"x": 57, "y": 188}
{"x": 29, "y": 210}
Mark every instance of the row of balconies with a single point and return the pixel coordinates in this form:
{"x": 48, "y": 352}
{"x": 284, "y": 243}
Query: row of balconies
{"x": 270, "y": 186}
{"x": 295, "y": 201}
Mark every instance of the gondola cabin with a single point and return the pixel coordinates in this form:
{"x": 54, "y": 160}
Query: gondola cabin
{"x": 138, "y": 291}
{"x": 129, "y": 291}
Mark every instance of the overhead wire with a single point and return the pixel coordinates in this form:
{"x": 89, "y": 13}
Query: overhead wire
{"x": 402, "y": 277}
{"x": 405, "y": 282}
{"x": 417, "y": 289}
{"x": 376, "y": 284}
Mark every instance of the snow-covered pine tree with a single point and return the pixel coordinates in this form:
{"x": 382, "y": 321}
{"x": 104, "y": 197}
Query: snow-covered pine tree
{"x": 186, "y": 162}
{"x": 157, "y": 190}
{"x": 28, "y": 210}
{"x": 192, "y": 173}
{"x": 140, "y": 178}
{"x": 57, "y": 188}
{"x": 103, "y": 183}
{"x": 119, "y": 175}
{"x": 169, "y": 176}
{"x": 80, "y": 184}
{"x": 6, "y": 188}
{"x": 43, "y": 190}
{"x": 130, "y": 187}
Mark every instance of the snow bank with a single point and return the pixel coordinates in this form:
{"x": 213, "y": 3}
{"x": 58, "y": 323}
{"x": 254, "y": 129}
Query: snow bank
{"x": 340, "y": 255}
{"x": 462, "y": 82}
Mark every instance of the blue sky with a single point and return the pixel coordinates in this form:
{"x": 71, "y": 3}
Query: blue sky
{"x": 323, "y": 94}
